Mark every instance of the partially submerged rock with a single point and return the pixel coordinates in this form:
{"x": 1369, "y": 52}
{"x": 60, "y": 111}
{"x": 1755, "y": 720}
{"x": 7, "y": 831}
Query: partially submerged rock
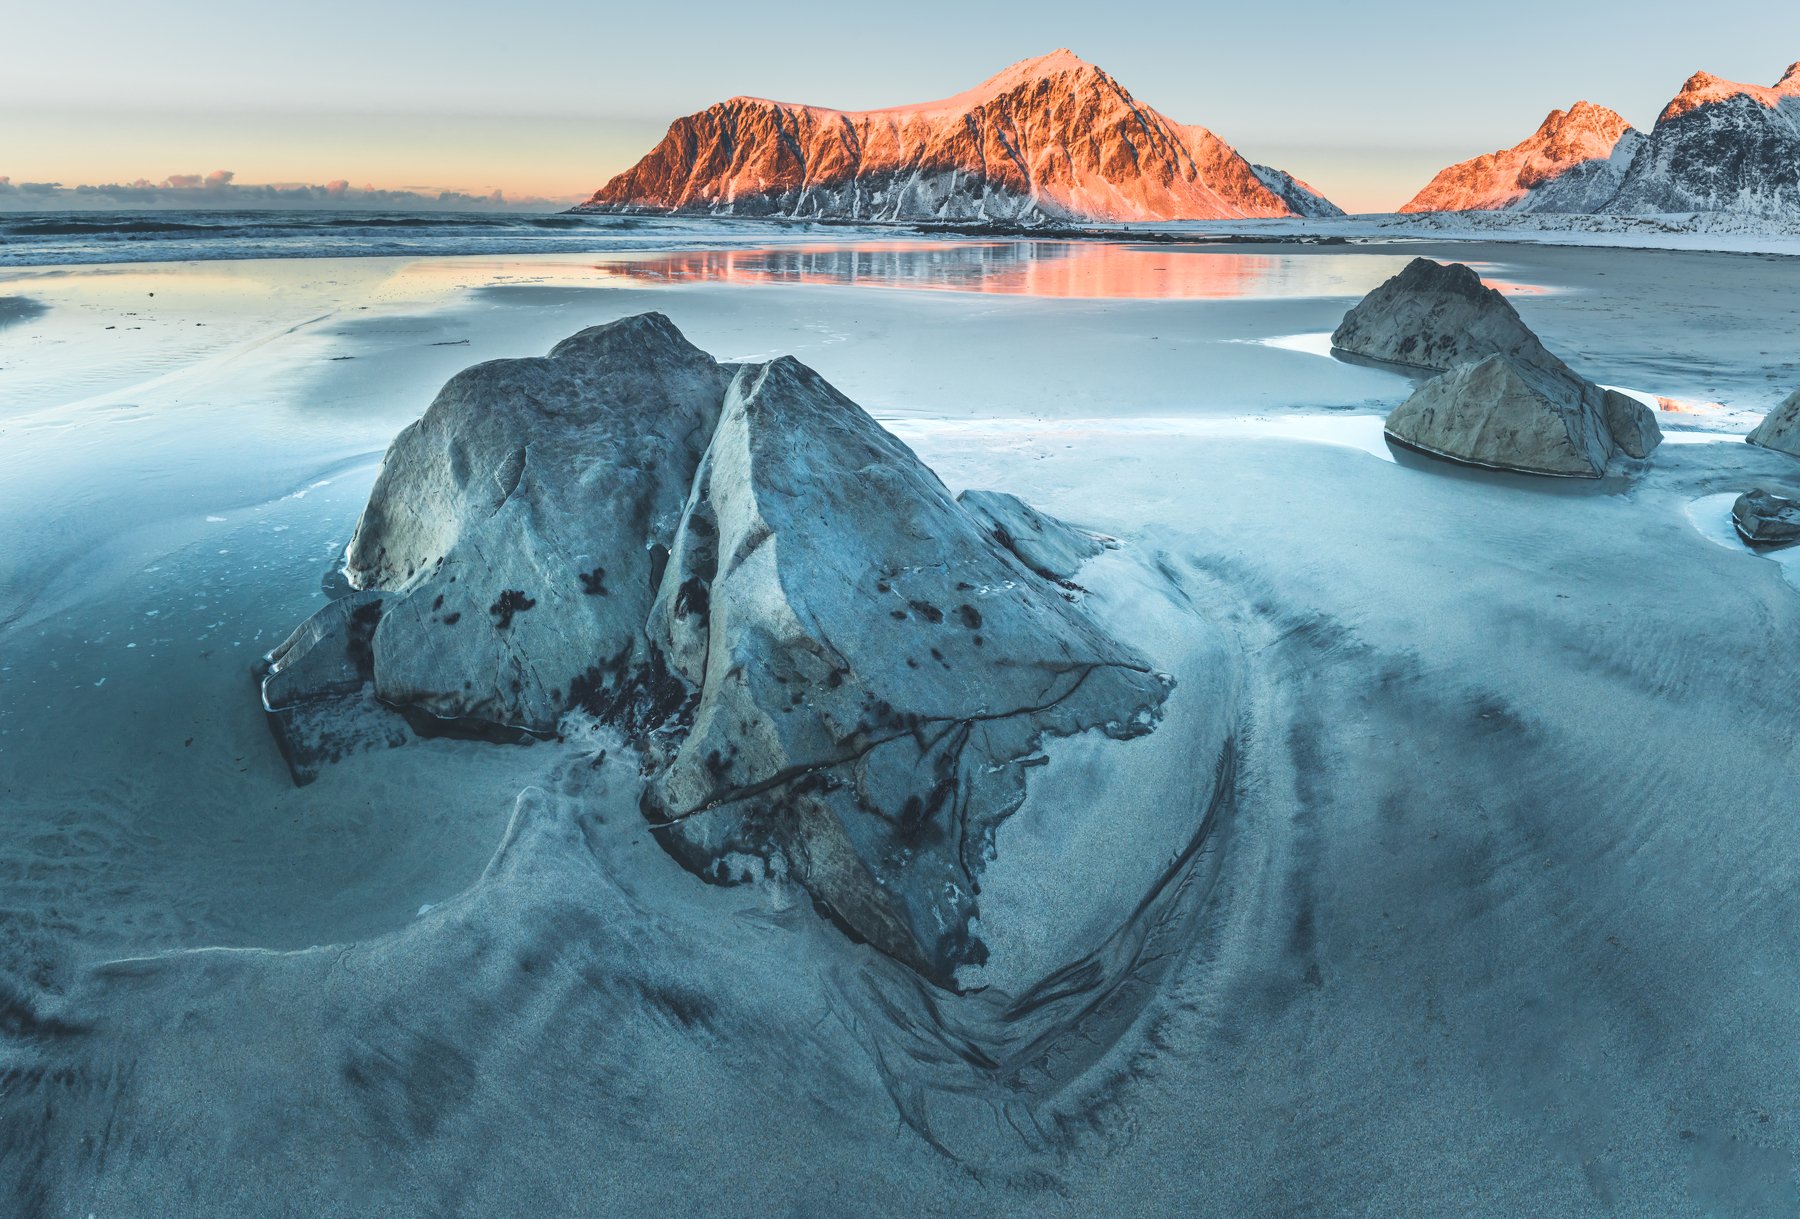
{"x": 1504, "y": 400}
{"x": 834, "y": 670}
{"x": 1780, "y": 428}
{"x": 1763, "y": 519}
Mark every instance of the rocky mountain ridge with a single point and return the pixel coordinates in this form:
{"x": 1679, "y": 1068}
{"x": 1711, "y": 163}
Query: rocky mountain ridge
{"x": 1049, "y": 139}
{"x": 1719, "y": 146}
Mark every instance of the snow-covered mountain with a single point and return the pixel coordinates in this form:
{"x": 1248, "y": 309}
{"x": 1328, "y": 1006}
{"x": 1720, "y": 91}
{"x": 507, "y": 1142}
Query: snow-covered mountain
{"x": 1578, "y": 141}
{"x": 1301, "y": 198}
{"x": 1719, "y": 146}
{"x": 1052, "y": 138}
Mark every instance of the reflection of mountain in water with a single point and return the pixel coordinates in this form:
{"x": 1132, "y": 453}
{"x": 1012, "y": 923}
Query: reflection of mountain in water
{"x": 1032, "y": 268}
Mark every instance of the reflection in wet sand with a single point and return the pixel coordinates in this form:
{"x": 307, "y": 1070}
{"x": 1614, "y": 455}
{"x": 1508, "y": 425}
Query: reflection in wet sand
{"x": 1359, "y": 431}
{"x": 1063, "y": 269}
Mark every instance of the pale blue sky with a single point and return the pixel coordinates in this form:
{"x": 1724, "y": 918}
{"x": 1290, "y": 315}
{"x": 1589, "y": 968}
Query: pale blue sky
{"x": 551, "y": 98}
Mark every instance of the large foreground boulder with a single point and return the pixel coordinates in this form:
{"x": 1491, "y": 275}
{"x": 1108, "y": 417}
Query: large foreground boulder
{"x": 1504, "y": 400}
{"x": 1763, "y": 519}
{"x": 834, "y": 670}
{"x": 1780, "y": 428}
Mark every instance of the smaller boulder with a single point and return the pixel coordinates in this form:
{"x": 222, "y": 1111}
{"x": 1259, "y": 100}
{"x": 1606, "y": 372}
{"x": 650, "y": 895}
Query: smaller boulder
{"x": 1763, "y": 519}
{"x": 1436, "y": 316}
{"x": 1780, "y": 428}
{"x": 1505, "y": 415}
{"x": 1631, "y": 424}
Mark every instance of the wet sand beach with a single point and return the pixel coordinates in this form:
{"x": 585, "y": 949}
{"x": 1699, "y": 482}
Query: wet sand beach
{"x": 1499, "y": 916}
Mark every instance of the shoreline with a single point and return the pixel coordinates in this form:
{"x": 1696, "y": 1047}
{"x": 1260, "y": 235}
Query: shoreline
{"x": 138, "y": 238}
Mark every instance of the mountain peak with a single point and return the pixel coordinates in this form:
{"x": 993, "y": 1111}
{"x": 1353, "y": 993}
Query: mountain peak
{"x": 1705, "y": 89}
{"x": 1564, "y": 141}
{"x": 1719, "y": 146}
{"x": 1051, "y": 137}
{"x": 1583, "y": 118}
{"x": 1056, "y": 63}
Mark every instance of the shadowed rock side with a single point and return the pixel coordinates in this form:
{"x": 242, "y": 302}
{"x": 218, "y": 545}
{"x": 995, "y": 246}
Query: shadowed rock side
{"x": 1780, "y": 428}
{"x": 1505, "y": 401}
{"x": 1764, "y": 519}
{"x": 834, "y": 671}
{"x": 1052, "y": 138}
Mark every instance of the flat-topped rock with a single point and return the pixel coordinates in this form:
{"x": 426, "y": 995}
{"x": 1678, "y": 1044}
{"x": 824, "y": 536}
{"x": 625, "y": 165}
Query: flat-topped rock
{"x": 1763, "y": 519}
{"x": 834, "y": 671}
{"x": 1780, "y": 428}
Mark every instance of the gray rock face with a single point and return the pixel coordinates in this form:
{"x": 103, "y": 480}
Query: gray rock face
{"x": 1051, "y": 548}
{"x": 1505, "y": 400}
{"x": 871, "y": 666}
{"x": 834, "y": 670}
{"x": 1436, "y": 316}
{"x": 1763, "y": 519}
{"x": 316, "y": 688}
{"x": 500, "y": 519}
{"x": 1780, "y": 428}
{"x": 1506, "y": 415}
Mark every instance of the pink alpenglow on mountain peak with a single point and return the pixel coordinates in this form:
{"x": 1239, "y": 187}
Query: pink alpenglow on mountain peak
{"x": 1051, "y": 138}
{"x": 1580, "y": 135}
{"x": 1704, "y": 89}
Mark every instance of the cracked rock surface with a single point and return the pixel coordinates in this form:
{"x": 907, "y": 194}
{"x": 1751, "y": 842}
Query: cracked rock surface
{"x": 1504, "y": 400}
{"x": 833, "y": 669}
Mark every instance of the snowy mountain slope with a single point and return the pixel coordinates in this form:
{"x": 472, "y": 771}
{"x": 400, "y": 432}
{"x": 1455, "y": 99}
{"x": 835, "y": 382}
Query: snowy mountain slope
{"x": 1052, "y": 138}
{"x": 1568, "y": 142}
{"x": 1302, "y": 199}
{"x": 1718, "y": 147}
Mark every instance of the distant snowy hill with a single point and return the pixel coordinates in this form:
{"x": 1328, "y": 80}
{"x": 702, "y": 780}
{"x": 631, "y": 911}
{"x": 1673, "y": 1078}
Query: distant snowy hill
{"x": 1052, "y": 138}
{"x": 1718, "y": 147}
